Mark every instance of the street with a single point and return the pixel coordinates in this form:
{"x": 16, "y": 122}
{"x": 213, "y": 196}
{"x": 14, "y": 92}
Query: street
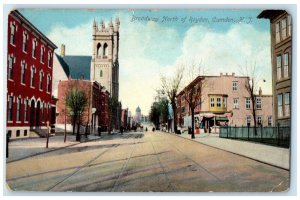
{"x": 142, "y": 162}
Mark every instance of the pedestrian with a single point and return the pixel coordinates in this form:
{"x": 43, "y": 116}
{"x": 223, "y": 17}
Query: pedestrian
{"x": 99, "y": 131}
{"x": 146, "y": 129}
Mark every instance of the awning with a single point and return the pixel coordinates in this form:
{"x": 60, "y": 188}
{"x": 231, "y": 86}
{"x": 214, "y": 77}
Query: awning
{"x": 221, "y": 118}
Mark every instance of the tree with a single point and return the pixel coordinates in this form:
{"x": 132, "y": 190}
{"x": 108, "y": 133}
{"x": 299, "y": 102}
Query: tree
{"x": 112, "y": 106}
{"x": 76, "y": 101}
{"x": 194, "y": 90}
{"x": 154, "y": 114}
{"x": 171, "y": 86}
{"x": 251, "y": 84}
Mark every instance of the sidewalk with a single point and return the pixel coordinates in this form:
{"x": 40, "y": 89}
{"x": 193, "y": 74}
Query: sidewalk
{"x": 27, "y": 147}
{"x": 277, "y": 156}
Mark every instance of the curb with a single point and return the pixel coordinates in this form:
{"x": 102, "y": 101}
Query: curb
{"x": 255, "y": 159}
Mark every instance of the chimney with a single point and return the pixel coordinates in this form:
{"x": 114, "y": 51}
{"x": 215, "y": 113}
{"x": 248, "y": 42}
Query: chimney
{"x": 63, "y": 50}
{"x": 260, "y": 91}
{"x": 233, "y": 73}
{"x": 81, "y": 77}
{"x": 226, "y": 74}
{"x": 221, "y": 74}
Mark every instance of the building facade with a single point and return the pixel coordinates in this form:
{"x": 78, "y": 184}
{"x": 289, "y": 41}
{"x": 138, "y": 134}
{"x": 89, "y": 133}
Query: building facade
{"x": 224, "y": 100}
{"x": 281, "y": 51}
{"x": 29, "y": 77}
{"x": 96, "y": 111}
{"x": 105, "y": 64}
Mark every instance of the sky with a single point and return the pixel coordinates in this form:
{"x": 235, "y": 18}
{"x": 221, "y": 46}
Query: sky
{"x": 154, "y": 42}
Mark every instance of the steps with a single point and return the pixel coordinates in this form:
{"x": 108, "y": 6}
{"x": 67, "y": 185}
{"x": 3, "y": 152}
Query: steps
{"x": 41, "y": 133}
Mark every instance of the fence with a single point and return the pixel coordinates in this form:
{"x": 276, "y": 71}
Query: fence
{"x": 277, "y": 136}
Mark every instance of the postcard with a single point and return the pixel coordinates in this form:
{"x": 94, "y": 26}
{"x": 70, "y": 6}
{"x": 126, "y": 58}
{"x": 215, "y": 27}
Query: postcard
{"x": 137, "y": 100}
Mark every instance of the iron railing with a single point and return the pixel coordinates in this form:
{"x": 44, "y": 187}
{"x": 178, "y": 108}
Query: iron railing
{"x": 277, "y": 136}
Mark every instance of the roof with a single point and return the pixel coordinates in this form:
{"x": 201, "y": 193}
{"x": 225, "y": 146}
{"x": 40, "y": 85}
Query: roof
{"x": 17, "y": 14}
{"x": 79, "y": 65}
{"x": 138, "y": 109}
{"x": 64, "y": 65}
{"x": 270, "y": 14}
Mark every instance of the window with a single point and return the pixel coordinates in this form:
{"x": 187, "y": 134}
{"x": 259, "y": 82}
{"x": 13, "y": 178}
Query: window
{"x": 32, "y": 76}
{"x": 277, "y": 31}
{"x": 9, "y": 133}
{"x": 289, "y": 28}
{"x": 234, "y": 85}
{"x": 279, "y": 67}
{"x": 269, "y": 120}
{"x": 248, "y": 103}
{"x": 42, "y": 54}
{"x": 183, "y": 109}
{"x": 25, "y": 38}
{"x": 101, "y": 73}
{"x": 34, "y": 45}
{"x": 248, "y": 120}
{"x": 22, "y": 72}
{"x": 219, "y": 102}
{"x": 25, "y": 109}
{"x": 279, "y": 104}
{"x": 235, "y": 103}
{"x": 10, "y": 108}
{"x": 283, "y": 28}
{"x": 12, "y": 34}
{"x": 286, "y": 65}
{"x": 10, "y": 67}
{"x": 41, "y": 80}
{"x": 224, "y": 102}
{"x": 18, "y": 109}
{"x": 258, "y": 121}
{"x": 48, "y": 83}
{"x": 212, "y": 102}
{"x": 98, "y": 50}
{"x": 49, "y": 58}
{"x": 25, "y": 132}
{"x": 258, "y": 103}
{"x": 18, "y": 133}
{"x": 287, "y": 104}
{"x": 105, "y": 50}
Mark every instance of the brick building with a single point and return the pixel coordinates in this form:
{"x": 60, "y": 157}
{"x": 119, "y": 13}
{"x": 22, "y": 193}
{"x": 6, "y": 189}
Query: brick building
{"x": 281, "y": 51}
{"x": 224, "y": 99}
{"x": 96, "y": 112}
{"x": 29, "y": 77}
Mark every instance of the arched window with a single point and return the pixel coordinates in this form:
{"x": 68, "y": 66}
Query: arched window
{"x": 101, "y": 73}
{"x": 105, "y": 50}
{"x": 98, "y": 49}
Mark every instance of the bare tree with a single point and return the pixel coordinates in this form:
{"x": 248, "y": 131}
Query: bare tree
{"x": 251, "y": 85}
{"x": 171, "y": 86}
{"x": 193, "y": 92}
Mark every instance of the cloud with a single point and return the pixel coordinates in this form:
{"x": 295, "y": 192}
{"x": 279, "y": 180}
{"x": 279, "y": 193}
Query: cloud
{"x": 148, "y": 50}
{"x": 230, "y": 51}
{"x": 78, "y": 39}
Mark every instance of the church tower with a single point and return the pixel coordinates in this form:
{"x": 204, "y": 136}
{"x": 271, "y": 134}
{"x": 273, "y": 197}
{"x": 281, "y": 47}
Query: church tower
{"x": 105, "y": 64}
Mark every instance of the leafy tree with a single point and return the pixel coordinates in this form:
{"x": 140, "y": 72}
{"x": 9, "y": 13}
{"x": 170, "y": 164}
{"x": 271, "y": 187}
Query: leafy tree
{"x": 113, "y": 106}
{"x": 76, "y": 101}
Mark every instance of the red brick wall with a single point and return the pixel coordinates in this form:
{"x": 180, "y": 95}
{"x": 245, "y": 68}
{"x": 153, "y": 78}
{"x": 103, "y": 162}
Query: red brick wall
{"x": 25, "y": 91}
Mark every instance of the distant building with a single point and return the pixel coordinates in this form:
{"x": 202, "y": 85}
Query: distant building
{"x": 225, "y": 100}
{"x": 138, "y": 115}
{"x": 281, "y": 51}
{"x": 29, "y": 78}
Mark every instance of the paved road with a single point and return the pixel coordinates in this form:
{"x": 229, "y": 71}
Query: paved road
{"x": 141, "y": 162}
